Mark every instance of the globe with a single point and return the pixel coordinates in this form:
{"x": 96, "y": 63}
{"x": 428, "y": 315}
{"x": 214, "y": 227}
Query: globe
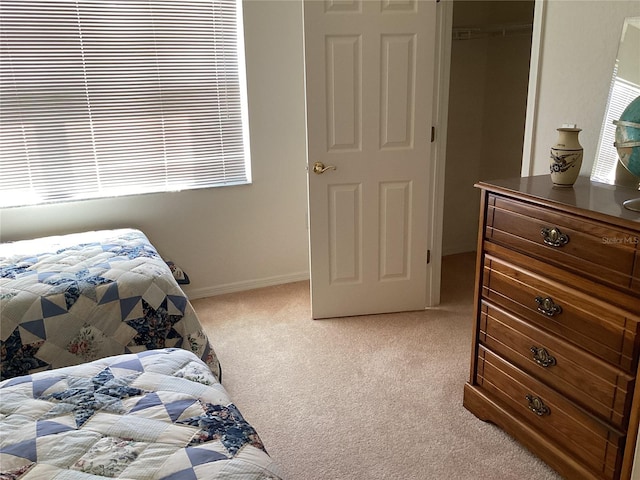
{"x": 628, "y": 145}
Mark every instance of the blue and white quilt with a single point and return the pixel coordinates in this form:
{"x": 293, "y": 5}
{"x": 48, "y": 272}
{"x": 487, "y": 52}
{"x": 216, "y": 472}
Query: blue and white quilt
{"x": 69, "y": 299}
{"x": 154, "y": 415}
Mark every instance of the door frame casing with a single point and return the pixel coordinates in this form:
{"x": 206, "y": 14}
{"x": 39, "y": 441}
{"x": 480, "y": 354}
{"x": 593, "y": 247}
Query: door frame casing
{"x": 444, "y": 26}
{"x": 539, "y": 16}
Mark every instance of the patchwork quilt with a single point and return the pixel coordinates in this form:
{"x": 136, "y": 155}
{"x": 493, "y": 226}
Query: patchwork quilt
{"x": 154, "y": 415}
{"x": 69, "y": 299}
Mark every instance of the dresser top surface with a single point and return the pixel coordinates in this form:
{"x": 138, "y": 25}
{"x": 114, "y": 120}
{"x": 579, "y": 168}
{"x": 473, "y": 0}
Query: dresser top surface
{"x": 585, "y": 197}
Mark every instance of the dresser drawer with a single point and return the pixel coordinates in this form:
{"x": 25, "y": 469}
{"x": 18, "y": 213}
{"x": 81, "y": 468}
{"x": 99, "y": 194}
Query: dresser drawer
{"x": 566, "y": 425}
{"x": 586, "y": 247}
{"x": 555, "y": 355}
{"x": 608, "y": 332}
{"x": 594, "y": 384}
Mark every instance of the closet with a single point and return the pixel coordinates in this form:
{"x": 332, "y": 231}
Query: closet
{"x": 490, "y": 53}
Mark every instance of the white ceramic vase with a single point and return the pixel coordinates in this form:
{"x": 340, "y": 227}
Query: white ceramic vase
{"x": 566, "y": 157}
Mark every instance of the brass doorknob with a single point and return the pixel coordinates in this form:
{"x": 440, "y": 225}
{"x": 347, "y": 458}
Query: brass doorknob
{"x": 319, "y": 168}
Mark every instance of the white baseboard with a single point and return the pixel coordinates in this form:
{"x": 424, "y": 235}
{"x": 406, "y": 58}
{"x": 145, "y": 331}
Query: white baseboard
{"x": 194, "y": 293}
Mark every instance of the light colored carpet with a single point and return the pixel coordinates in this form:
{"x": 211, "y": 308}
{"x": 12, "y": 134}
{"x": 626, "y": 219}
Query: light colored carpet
{"x": 372, "y": 397}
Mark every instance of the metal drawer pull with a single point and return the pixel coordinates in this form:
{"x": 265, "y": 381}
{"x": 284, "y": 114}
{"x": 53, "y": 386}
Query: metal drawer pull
{"x": 554, "y": 237}
{"x": 537, "y": 406}
{"x": 548, "y": 307}
{"x": 542, "y": 357}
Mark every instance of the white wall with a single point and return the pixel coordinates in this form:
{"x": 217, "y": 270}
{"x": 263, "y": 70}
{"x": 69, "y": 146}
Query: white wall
{"x": 635, "y": 472}
{"x": 226, "y": 238}
{"x": 464, "y": 144}
{"x": 578, "y": 49}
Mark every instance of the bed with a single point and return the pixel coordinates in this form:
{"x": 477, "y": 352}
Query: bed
{"x": 69, "y": 299}
{"x": 154, "y": 415}
{"x": 107, "y": 372}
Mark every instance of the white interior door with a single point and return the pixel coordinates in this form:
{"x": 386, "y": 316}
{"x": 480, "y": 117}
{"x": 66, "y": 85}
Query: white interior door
{"x": 369, "y": 85}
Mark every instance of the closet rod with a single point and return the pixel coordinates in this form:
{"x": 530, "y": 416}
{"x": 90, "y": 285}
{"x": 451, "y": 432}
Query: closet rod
{"x": 482, "y": 31}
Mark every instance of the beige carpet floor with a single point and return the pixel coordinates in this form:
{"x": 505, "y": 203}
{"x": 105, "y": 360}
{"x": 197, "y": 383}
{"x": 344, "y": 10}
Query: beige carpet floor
{"x": 371, "y": 397}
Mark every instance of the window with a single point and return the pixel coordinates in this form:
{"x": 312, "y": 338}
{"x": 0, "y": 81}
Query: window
{"x": 102, "y": 98}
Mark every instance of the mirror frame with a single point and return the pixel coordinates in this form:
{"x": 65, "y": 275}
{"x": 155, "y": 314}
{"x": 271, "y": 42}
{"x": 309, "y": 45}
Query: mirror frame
{"x": 624, "y": 87}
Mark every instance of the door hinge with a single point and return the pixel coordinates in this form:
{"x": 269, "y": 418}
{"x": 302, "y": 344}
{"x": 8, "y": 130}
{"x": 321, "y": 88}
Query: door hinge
{"x": 428, "y": 257}
{"x": 433, "y": 134}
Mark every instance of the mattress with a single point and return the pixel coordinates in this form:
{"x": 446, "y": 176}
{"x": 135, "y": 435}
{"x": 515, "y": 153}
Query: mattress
{"x": 154, "y": 415}
{"x": 69, "y": 299}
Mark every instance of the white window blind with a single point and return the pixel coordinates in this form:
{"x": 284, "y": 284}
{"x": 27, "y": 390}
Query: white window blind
{"x": 622, "y": 93}
{"x": 102, "y": 98}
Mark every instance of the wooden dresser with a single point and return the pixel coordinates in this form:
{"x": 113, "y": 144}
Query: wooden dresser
{"x": 557, "y": 323}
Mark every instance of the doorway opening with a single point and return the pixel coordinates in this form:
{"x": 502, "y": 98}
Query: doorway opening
{"x": 489, "y": 75}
